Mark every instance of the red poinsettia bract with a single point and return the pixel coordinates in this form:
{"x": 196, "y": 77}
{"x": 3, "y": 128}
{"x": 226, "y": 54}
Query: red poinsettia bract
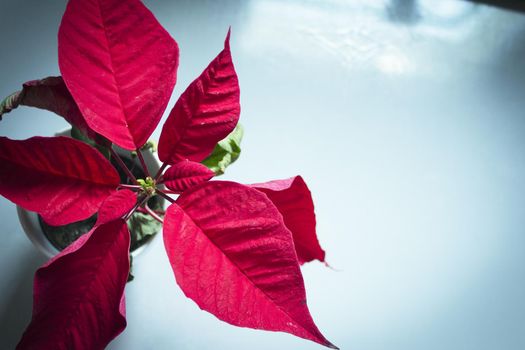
{"x": 234, "y": 249}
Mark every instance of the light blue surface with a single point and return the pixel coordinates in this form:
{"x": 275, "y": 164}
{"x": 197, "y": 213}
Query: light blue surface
{"x": 405, "y": 118}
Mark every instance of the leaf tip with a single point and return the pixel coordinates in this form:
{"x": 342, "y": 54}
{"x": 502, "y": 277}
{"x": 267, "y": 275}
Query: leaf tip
{"x": 331, "y": 346}
{"x": 227, "y": 40}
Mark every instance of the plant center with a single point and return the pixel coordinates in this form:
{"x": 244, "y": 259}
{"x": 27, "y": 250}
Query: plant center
{"x": 148, "y": 185}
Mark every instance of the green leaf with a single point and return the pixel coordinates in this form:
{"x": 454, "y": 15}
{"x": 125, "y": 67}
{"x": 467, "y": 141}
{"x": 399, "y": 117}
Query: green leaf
{"x": 150, "y": 145}
{"x": 79, "y": 135}
{"x": 225, "y": 152}
{"x": 143, "y": 226}
{"x": 62, "y": 236}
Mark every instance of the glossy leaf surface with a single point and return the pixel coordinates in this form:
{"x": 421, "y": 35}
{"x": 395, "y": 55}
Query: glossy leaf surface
{"x": 50, "y": 94}
{"x": 225, "y": 152}
{"x": 294, "y": 201}
{"x": 204, "y": 114}
{"x": 78, "y": 295}
{"x": 116, "y": 206}
{"x": 120, "y": 66}
{"x": 186, "y": 174}
{"x": 62, "y": 179}
{"x": 232, "y": 254}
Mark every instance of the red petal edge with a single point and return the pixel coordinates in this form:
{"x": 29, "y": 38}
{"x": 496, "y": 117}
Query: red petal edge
{"x": 120, "y": 65}
{"x": 79, "y": 294}
{"x": 186, "y": 174}
{"x": 294, "y": 201}
{"x": 62, "y": 179}
{"x": 232, "y": 255}
{"x": 204, "y": 114}
{"x": 116, "y": 206}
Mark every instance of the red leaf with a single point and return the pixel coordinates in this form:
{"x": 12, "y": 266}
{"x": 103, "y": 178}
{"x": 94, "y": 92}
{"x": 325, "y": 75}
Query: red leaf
{"x": 116, "y": 206}
{"x": 78, "y": 295}
{"x": 186, "y": 174}
{"x": 294, "y": 201}
{"x": 204, "y": 114}
{"x": 120, "y": 66}
{"x": 52, "y": 94}
{"x": 232, "y": 254}
{"x": 62, "y": 179}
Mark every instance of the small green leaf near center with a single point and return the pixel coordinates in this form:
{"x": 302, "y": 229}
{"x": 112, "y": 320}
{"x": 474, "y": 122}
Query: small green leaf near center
{"x": 225, "y": 152}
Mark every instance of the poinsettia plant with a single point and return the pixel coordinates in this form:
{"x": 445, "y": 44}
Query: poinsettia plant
{"x": 235, "y": 249}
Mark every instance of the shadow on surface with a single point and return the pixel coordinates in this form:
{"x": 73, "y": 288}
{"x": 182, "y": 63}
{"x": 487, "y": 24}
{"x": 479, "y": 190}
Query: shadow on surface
{"x": 15, "y": 313}
{"x": 403, "y": 11}
{"x": 513, "y": 5}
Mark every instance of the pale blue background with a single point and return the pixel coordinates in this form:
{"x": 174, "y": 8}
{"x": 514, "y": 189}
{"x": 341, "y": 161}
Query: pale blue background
{"x": 407, "y": 120}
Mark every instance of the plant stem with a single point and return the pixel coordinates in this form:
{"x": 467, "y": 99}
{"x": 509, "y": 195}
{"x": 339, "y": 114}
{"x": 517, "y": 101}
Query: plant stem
{"x": 130, "y": 187}
{"x": 161, "y": 170}
{"x": 140, "y": 202}
{"x": 123, "y": 166}
{"x": 143, "y": 211}
{"x": 165, "y": 196}
{"x": 143, "y": 163}
{"x": 153, "y": 214}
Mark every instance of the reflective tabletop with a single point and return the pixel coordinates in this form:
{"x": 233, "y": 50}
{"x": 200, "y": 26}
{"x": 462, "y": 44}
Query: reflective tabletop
{"x": 405, "y": 118}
